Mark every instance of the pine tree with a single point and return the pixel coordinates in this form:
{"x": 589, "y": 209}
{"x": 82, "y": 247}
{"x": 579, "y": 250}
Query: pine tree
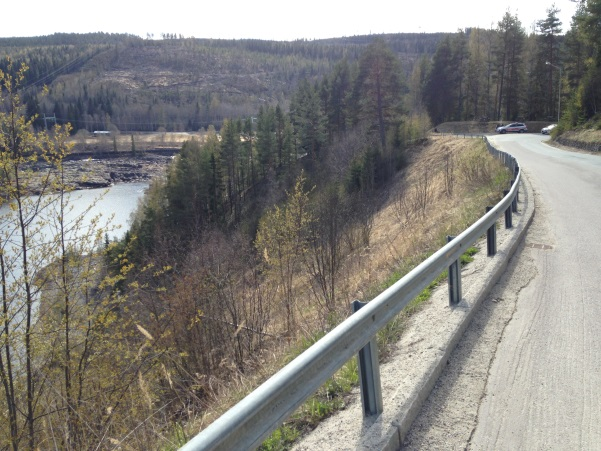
{"x": 379, "y": 90}
{"x": 230, "y": 145}
{"x": 309, "y": 120}
{"x": 439, "y": 92}
{"x": 509, "y": 48}
{"x": 340, "y": 89}
{"x": 548, "y": 59}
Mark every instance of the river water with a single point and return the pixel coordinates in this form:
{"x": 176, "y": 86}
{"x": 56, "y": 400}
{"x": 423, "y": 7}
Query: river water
{"x": 114, "y": 205}
{"x": 119, "y": 200}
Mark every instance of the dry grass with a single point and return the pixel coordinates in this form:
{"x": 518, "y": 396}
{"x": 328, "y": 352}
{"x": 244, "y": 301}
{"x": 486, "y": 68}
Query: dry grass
{"x": 587, "y": 136}
{"x": 396, "y": 237}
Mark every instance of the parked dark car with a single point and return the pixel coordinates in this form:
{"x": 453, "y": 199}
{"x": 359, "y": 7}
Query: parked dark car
{"x": 515, "y": 127}
{"x": 547, "y": 130}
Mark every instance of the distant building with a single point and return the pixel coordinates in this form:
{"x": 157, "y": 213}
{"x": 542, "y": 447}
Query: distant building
{"x": 102, "y": 133}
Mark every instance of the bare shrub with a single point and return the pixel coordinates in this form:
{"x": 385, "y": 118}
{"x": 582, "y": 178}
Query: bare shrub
{"x": 414, "y": 201}
{"x": 342, "y": 152}
{"x": 361, "y": 220}
{"x": 364, "y": 219}
{"x": 475, "y": 168}
{"x": 366, "y": 225}
{"x": 421, "y": 194}
{"x": 449, "y": 174}
{"x": 325, "y": 250}
{"x": 401, "y": 206}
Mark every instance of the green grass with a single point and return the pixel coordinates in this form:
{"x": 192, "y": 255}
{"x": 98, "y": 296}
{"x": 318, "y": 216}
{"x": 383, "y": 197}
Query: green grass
{"x": 177, "y": 439}
{"x": 280, "y": 439}
{"x": 328, "y": 399}
{"x": 468, "y": 256}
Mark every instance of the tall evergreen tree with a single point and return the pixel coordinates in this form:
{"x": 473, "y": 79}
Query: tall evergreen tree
{"x": 439, "y": 92}
{"x": 416, "y": 85}
{"x": 577, "y": 49}
{"x": 379, "y": 90}
{"x": 309, "y": 120}
{"x": 459, "y": 64}
{"x": 477, "y": 75}
{"x": 247, "y": 165}
{"x": 194, "y": 188}
{"x": 591, "y": 25}
{"x": 340, "y": 88}
{"x": 549, "y": 46}
{"x": 280, "y": 127}
{"x": 230, "y": 144}
{"x": 509, "y": 48}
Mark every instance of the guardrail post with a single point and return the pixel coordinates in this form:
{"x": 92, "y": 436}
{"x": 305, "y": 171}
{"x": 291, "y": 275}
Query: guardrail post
{"x": 491, "y": 237}
{"x": 508, "y": 223}
{"x": 369, "y": 374}
{"x": 517, "y": 192}
{"x": 514, "y": 202}
{"x": 454, "y": 279}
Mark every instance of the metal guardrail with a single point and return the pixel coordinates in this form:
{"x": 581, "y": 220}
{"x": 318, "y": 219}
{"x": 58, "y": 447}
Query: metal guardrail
{"x": 248, "y": 423}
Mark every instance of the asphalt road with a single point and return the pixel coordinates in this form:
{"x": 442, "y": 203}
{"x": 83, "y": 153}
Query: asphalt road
{"x": 527, "y": 375}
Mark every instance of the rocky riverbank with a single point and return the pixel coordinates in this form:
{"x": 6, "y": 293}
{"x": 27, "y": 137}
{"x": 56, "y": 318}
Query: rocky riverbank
{"x": 104, "y": 172}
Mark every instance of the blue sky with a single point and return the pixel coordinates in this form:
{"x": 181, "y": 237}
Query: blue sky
{"x": 269, "y": 19}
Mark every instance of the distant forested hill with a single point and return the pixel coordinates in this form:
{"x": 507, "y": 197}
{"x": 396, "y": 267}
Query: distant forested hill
{"x": 116, "y": 81}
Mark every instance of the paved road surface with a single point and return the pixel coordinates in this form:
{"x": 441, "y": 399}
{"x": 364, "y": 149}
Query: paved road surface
{"x": 528, "y": 373}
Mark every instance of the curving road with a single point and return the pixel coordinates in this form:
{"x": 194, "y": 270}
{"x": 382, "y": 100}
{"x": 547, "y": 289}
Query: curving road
{"x": 527, "y": 374}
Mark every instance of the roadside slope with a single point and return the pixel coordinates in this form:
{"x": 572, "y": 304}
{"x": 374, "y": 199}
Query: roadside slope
{"x": 422, "y": 353}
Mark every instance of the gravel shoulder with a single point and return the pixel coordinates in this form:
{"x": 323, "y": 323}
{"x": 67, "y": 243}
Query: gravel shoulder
{"x": 449, "y": 417}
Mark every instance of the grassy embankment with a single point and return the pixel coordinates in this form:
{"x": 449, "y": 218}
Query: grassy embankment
{"x": 444, "y": 189}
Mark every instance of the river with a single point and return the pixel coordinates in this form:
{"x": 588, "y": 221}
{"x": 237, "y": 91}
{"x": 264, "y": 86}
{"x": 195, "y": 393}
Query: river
{"x": 119, "y": 200}
{"x": 115, "y": 203}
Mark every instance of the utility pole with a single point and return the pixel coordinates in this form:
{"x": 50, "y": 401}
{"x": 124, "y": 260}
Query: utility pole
{"x": 48, "y": 118}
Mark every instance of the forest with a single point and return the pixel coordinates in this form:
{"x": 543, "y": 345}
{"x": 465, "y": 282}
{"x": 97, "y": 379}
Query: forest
{"x": 125, "y": 83}
{"x": 243, "y": 251}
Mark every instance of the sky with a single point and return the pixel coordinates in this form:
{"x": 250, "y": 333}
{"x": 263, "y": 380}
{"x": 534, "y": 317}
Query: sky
{"x": 269, "y": 19}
